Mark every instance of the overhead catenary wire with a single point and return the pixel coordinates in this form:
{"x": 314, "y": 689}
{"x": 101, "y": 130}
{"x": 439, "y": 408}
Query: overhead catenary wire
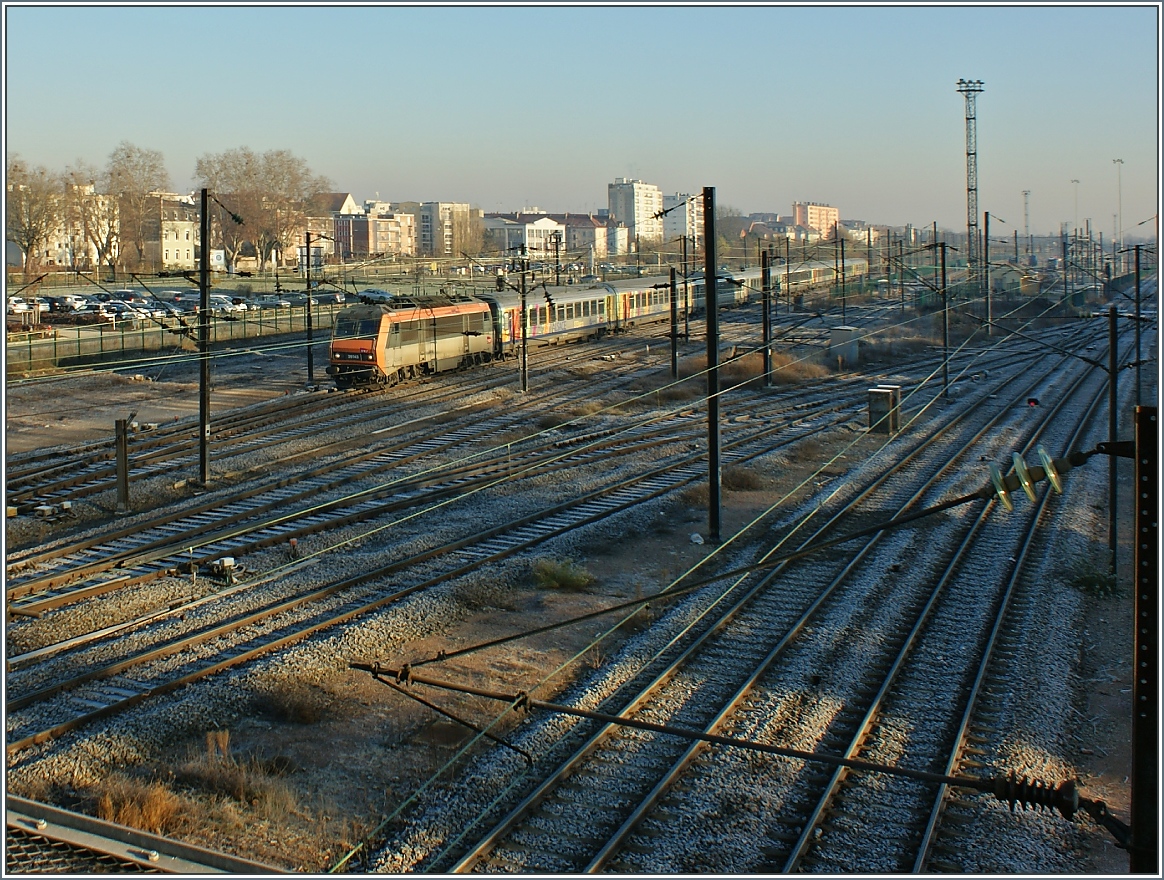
{"x": 545, "y": 679}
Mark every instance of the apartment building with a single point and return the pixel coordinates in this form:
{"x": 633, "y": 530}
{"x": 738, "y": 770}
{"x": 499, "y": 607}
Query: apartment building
{"x": 378, "y": 232}
{"x": 816, "y": 216}
{"x": 171, "y": 231}
{"x": 684, "y": 217}
{"x": 444, "y": 229}
{"x": 87, "y": 219}
{"x": 540, "y": 233}
{"x": 634, "y": 204}
{"x": 586, "y": 235}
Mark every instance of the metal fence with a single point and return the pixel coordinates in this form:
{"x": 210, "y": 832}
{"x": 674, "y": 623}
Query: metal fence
{"x": 46, "y": 347}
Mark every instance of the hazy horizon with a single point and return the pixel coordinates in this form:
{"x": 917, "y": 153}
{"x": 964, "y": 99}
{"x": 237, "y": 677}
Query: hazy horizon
{"x": 509, "y": 107}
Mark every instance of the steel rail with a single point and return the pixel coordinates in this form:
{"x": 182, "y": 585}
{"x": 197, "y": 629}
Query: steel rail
{"x": 684, "y": 472}
{"x": 179, "y": 442}
{"x": 568, "y": 767}
{"x": 954, "y": 761}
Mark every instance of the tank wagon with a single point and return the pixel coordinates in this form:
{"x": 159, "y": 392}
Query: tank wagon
{"x": 378, "y": 343}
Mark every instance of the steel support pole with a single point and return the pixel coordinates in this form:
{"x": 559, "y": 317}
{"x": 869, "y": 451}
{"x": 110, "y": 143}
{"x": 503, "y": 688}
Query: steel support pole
{"x": 524, "y": 327}
{"x": 674, "y": 326}
{"x": 788, "y": 272}
{"x": 1145, "y": 793}
{"x": 307, "y": 305}
{"x": 711, "y": 303}
{"x": 121, "y": 432}
{"x": 204, "y": 346}
{"x": 686, "y": 296}
{"x": 843, "y": 314}
{"x": 986, "y": 274}
{"x": 945, "y": 330}
{"x": 1112, "y": 420}
{"x": 766, "y": 323}
{"x": 1138, "y": 401}
{"x": 901, "y": 271}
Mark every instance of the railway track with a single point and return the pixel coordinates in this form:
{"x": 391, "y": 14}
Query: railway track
{"x": 110, "y": 690}
{"x": 160, "y": 565}
{"x": 50, "y": 477}
{"x": 42, "y": 579}
{"x": 577, "y": 819}
{"x": 109, "y": 694}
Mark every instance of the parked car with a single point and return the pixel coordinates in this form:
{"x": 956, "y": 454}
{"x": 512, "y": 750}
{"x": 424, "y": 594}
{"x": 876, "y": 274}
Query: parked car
{"x": 222, "y": 304}
{"x": 75, "y": 300}
{"x": 374, "y": 294}
{"x": 170, "y": 309}
{"x": 117, "y": 310}
{"x": 186, "y": 301}
{"x": 151, "y": 308}
{"x": 17, "y": 304}
{"x": 272, "y": 301}
{"x": 299, "y": 299}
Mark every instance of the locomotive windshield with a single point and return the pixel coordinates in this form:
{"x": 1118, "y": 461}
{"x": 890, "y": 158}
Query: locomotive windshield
{"x": 354, "y": 328}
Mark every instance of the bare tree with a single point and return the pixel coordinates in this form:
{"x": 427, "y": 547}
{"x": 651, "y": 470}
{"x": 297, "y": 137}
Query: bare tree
{"x": 132, "y": 175}
{"x": 94, "y": 211}
{"x": 33, "y": 210}
{"x": 272, "y": 192}
{"x": 468, "y": 231}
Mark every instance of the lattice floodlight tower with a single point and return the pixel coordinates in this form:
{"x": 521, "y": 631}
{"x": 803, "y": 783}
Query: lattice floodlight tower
{"x": 970, "y": 88}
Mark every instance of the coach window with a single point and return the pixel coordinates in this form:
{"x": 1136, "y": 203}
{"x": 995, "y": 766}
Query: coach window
{"x": 602, "y": 307}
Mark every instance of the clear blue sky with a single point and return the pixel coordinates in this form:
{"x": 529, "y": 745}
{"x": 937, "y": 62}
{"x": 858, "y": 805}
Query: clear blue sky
{"x": 509, "y": 106}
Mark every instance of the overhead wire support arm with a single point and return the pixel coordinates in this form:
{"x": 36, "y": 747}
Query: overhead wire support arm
{"x": 1010, "y": 789}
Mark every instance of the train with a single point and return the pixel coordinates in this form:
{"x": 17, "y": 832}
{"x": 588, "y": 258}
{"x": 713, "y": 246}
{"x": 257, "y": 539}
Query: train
{"x": 383, "y": 341}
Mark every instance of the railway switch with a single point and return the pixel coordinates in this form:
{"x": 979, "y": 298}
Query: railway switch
{"x": 226, "y": 569}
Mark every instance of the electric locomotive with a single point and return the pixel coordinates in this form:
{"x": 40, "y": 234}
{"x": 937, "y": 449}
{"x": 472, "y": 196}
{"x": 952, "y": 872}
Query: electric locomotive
{"x": 385, "y": 343}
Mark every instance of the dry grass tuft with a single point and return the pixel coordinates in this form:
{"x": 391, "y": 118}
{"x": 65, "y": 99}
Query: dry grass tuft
{"x": 806, "y": 451}
{"x": 149, "y": 806}
{"x": 741, "y": 479}
{"x": 787, "y": 370}
{"x": 588, "y": 408}
{"x": 552, "y": 574}
{"x": 549, "y": 420}
{"x": 695, "y": 495}
{"x": 252, "y": 782}
{"x": 895, "y": 345}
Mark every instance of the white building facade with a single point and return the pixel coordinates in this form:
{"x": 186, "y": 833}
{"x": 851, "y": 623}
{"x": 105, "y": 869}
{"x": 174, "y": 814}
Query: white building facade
{"x": 684, "y": 217}
{"x": 635, "y": 205}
